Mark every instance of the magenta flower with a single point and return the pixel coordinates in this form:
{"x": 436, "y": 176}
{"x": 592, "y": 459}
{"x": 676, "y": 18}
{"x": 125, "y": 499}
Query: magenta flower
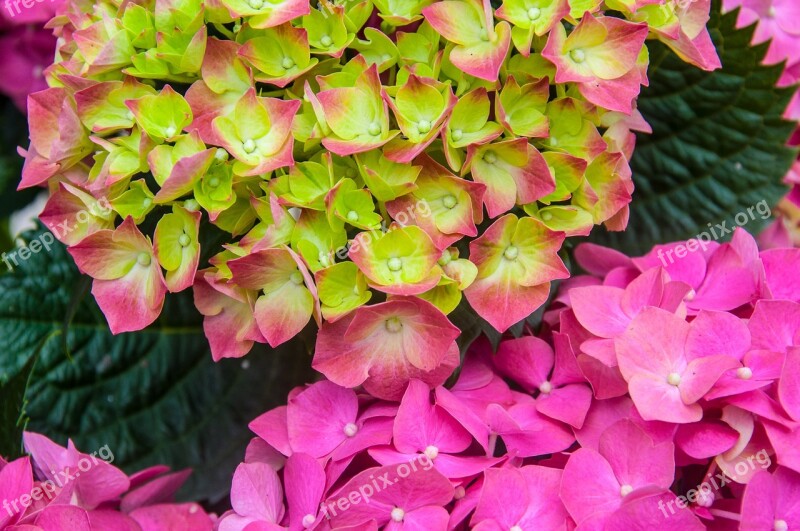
{"x": 627, "y": 463}
{"x": 667, "y": 367}
{"x": 520, "y": 498}
{"x": 770, "y": 501}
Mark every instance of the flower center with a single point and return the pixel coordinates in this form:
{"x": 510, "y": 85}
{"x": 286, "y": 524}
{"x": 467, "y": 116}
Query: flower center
{"x": 393, "y": 325}
{"x": 190, "y": 204}
{"x": 221, "y": 155}
{"x": 374, "y": 129}
{"x": 256, "y": 4}
{"x": 489, "y": 157}
{"x": 459, "y": 493}
{"x": 143, "y": 259}
{"x": 674, "y": 378}
{"x": 691, "y": 295}
{"x": 546, "y": 387}
{"x": 780, "y": 525}
{"x": 577, "y": 55}
{"x": 449, "y": 201}
{"x": 547, "y": 216}
{"x": 287, "y": 63}
{"x": 350, "y": 429}
{"x": 432, "y": 452}
{"x": 511, "y": 253}
{"x": 423, "y": 126}
{"x": 296, "y": 277}
{"x": 394, "y": 264}
{"x": 323, "y": 260}
{"x": 184, "y": 240}
{"x": 771, "y": 12}
{"x": 744, "y": 373}
{"x": 308, "y": 520}
{"x": 534, "y": 13}
{"x": 352, "y": 215}
{"x": 249, "y": 146}
{"x": 625, "y": 490}
{"x": 705, "y": 498}
{"x": 484, "y": 35}
{"x": 515, "y": 528}
{"x": 213, "y": 182}
{"x": 398, "y": 514}
{"x": 146, "y": 202}
{"x": 170, "y": 131}
{"x": 325, "y": 40}
{"x": 457, "y": 134}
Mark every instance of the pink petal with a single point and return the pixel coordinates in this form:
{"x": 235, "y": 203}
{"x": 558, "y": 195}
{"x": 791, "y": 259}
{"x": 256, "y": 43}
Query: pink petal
{"x": 318, "y": 418}
{"x": 256, "y": 492}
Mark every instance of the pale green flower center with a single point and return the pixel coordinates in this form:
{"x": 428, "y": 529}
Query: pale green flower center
{"x": 374, "y": 129}
{"x": 296, "y": 277}
{"x": 325, "y": 40}
{"x": 674, "y": 378}
{"x": 352, "y": 215}
{"x": 191, "y": 205}
{"x": 449, "y": 201}
{"x": 489, "y": 157}
{"x": 484, "y": 35}
{"x": 170, "y": 131}
{"x": 394, "y": 264}
{"x": 287, "y": 63}
{"x": 146, "y": 202}
{"x": 393, "y": 325}
{"x": 256, "y": 4}
{"x": 249, "y": 146}
{"x": 534, "y": 13}
{"x": 577, "y": 55}
{"x": 143, "y": 259}
{"x": 324, "y": 261}
{"x": 547, "y": 216}
{"x": 457, "y": 134}
{"x": 423, "y": 126}
{"x": 221, "y": 155}
{"x": 213, "y": 182}
{"x": 184, "y": 240}
{"x": 511, "y": 252}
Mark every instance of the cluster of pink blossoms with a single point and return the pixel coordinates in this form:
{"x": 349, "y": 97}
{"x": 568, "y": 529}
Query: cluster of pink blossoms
{"x": 62, "y": 489}
{"x": 342, "y": 149}
{"x": 662, "y": 393}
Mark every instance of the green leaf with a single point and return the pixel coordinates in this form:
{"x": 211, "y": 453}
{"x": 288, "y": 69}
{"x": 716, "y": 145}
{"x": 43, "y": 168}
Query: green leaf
{"x": 12, "y": 410}
{"x": 718, "y": 142}
{"x": 153, "y": 396}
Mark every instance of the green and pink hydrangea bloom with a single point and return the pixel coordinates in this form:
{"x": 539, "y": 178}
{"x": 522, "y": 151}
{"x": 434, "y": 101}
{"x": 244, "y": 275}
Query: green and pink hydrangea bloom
{"x": 366, "y": 163}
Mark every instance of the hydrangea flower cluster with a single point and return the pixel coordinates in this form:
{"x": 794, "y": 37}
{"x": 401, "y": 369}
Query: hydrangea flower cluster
{"x": 58, "y": 488}
{"x": 343, "y": 149}
{"x": 656, "y": 396}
